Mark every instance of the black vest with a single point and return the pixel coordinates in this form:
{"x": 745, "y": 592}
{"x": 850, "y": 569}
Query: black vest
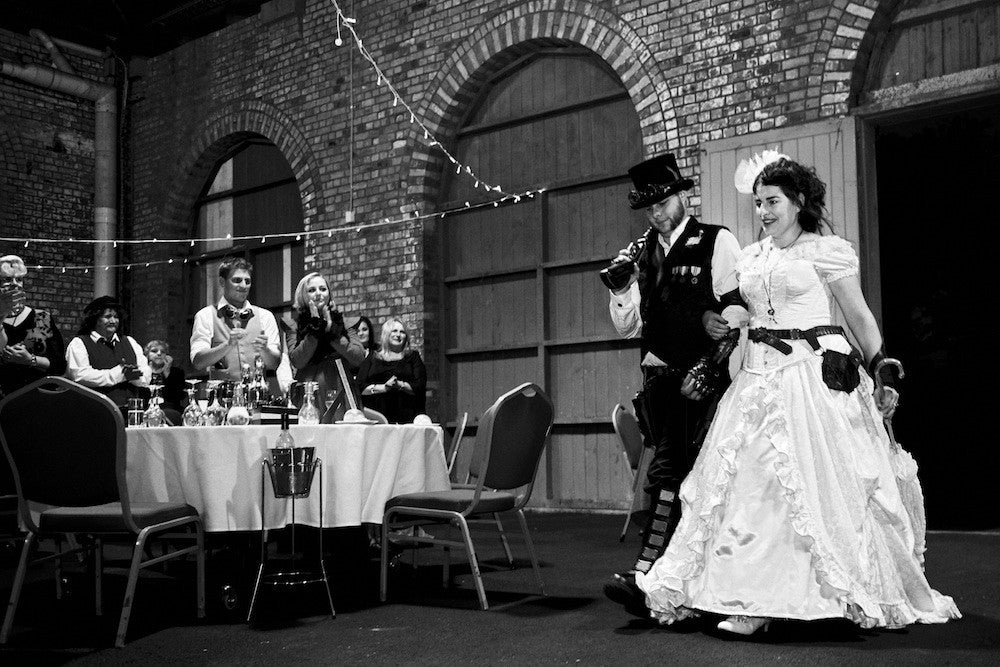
{"x": 676, "y": 290}
{"x": 102, "y": 358}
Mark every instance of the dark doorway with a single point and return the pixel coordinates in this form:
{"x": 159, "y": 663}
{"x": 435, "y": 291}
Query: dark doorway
{"x": 938, "y": 187}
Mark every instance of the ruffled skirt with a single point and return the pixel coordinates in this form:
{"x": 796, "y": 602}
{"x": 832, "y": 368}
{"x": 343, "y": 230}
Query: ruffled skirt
{"x": 798, "y": 507}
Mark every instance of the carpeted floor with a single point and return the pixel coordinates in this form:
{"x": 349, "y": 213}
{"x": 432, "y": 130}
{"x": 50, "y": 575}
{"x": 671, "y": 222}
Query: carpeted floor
{"x": 424, "y": 623}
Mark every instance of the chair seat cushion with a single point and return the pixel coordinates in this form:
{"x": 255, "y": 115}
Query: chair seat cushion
{"x": 108, "y": 518}
{"x": 456, "y": 500}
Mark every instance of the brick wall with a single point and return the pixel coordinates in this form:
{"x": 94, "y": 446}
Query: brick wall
{"x": 47, "y": 180}
{"x": 696, "y": 70}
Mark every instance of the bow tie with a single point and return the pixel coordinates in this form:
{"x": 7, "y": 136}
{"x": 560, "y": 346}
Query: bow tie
{"x": 229, "y": 313}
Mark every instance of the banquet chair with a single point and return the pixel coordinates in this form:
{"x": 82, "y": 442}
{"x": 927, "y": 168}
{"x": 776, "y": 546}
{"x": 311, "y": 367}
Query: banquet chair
{"x": 9, "y": 532}
{"x": 509, "y": 444}
{"x": 637, "y": 456}
{"x": 66, "y": 448}
{"x": 456, "y": 442}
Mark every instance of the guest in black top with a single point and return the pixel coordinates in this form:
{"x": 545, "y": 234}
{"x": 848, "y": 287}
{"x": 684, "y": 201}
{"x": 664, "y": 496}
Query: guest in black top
{"x": 167, "y": 376}
{"x": 393, "y": 379}
{"x": 320, "y": 345}
{"x": 31, "y": 345}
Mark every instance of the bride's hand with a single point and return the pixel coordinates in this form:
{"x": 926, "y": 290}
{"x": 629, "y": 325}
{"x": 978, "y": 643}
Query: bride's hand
{"x": 887, "y": 400}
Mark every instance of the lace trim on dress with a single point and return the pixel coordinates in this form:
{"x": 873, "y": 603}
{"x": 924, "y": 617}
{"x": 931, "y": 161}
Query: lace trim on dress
{"x": 765, "y": 396}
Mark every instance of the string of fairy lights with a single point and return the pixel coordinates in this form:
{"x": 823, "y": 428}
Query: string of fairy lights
{"x": 348, "y": 24}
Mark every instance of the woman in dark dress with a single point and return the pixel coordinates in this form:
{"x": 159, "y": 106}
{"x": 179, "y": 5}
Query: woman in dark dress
{"x": 393, "y": 379}
{"x": 321, "y": 343}
{"x": 31, "y": 345}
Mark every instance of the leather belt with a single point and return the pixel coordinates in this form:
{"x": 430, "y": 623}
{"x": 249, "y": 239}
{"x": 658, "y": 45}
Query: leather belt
{"x": 776, "y": 337}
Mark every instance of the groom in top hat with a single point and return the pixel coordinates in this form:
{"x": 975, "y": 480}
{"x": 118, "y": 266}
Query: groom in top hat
{"x": 669, "y": 299}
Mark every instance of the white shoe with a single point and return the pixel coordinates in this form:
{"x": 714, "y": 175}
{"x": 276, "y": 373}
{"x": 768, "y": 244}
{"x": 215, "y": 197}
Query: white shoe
{"x": 744, "y": 625}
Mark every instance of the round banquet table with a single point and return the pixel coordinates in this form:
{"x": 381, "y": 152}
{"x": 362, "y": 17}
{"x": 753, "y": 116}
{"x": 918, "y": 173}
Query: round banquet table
{"x": 217, "y": 470}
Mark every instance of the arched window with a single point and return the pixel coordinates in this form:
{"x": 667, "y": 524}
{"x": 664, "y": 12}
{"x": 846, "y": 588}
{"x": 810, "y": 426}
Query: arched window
{"x": 252, "y": 192}
{"x": 521, "y": 297}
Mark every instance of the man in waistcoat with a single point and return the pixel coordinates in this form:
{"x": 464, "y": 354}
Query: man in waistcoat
{"x": 672, "y": 296}
{"x": 103, "y": 358}
{"x": 233, "y": 331}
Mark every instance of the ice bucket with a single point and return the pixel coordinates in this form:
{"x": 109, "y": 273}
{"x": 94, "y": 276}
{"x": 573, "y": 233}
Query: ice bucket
{"x": 292, "y": 470}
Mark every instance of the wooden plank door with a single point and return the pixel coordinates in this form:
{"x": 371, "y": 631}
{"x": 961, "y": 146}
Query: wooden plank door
{"x": 522, "y": 300}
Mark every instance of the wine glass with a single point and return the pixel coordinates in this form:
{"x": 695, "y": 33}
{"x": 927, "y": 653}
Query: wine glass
{"x": 154, "y": 414}
{"x": 194, "y": 413}
{"x": 215, "y": 414}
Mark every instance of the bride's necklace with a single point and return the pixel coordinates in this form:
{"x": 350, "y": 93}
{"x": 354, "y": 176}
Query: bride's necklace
{"x": 767, "y": 278}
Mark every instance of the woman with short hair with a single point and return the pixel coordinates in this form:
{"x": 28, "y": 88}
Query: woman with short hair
{"x": 101, "y": 356}
{"x": 31, "y": 345}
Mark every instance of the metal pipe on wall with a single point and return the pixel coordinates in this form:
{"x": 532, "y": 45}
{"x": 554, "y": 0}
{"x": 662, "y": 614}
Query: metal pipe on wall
{"x": 105, "y": 100}
{"x": 58, "y": 59}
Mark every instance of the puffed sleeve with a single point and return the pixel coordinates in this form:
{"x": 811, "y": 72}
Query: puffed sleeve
{"x": 835, "y": 259}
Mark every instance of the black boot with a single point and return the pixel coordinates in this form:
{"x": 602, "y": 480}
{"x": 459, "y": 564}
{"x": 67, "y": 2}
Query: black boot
{"x": 663, "y": 521}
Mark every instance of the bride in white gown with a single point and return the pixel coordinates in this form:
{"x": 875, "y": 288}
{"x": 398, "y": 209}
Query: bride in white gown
{"x": 799, "y": 506}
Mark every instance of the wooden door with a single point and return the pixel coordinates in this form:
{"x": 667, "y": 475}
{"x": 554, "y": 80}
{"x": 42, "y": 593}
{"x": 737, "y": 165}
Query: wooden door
{"x": 521, "y": 297}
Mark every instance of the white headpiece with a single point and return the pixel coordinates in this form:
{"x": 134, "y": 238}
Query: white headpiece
{"x": 12, "y": 266}
{"x": 748, "y": 170}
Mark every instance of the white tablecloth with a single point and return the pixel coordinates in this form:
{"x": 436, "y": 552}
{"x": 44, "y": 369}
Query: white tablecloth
{"x": 217, "y": 470}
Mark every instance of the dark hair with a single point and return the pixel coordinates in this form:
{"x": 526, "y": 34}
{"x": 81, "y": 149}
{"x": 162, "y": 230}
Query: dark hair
{"x": 90, "y": 320}
{"x": 230, "y": 264}
{"x": 371, "y": 344}
{"x": 801, "y": 185}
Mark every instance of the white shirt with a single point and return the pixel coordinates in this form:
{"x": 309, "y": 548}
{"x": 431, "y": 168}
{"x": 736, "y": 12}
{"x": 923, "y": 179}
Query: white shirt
{"x": 78, "y": 366}
{"x": 624, "y": 307}
{"x": 201, "y": 331}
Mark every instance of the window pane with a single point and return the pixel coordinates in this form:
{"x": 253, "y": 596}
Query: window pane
{"x": 223, "y": 178}
{"x": 206, "y": 281}
{"x": 258, "y": 165}
{"x": 272, "y": 211}
{"x": 215, "y": 219}
{"x": 268, "y": 277}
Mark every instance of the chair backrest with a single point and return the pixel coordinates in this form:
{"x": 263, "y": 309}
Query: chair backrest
{"x": 627, "y": 428}
{"x": 376, "y": 416}
{"x": 456, "y": 441}
{"x": 511, "y": 437}
{"x": 65, "y": 444}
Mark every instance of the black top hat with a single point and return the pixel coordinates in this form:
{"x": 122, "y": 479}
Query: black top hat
{"x": 656, "y": 179}
{"x": 102, "y": 303}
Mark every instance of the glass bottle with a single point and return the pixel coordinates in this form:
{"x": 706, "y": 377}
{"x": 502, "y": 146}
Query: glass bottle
{"x": 285, "y": 440}
{"x": 238, "y": 414}
{"x": 154, "y": 413}
{"x": 257, "y": 393}
{"x": 308, "y": 414}
{"x": 192, "y": 415}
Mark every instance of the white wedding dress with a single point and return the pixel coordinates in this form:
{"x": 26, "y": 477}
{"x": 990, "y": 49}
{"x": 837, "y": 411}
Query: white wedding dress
{"x": 798, "y": 506}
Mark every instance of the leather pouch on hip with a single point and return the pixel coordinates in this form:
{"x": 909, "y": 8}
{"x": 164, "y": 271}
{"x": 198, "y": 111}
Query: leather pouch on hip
{"x": 840, "y": 371}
